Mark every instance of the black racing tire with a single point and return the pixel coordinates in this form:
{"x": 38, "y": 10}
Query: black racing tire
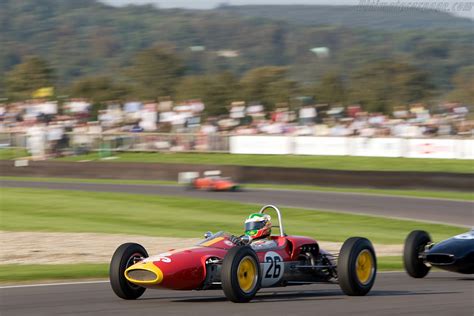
{"x": 230, "y": 274}
{"x": 357, "y": 266}
{"x": 123, "y": 258}
{"x": 415, "y": 244}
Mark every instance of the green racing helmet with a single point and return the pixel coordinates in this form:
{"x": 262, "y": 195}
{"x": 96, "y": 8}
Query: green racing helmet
{"x": 258, "y": 225}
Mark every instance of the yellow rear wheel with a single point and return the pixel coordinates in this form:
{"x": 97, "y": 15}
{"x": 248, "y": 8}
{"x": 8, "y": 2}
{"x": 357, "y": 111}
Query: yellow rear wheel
{"x": 356, "y": 266}
{"x": 364, "y": 266}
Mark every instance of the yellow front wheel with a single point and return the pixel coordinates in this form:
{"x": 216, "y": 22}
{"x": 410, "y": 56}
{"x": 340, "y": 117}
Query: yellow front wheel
{"x": 240, "y": 274}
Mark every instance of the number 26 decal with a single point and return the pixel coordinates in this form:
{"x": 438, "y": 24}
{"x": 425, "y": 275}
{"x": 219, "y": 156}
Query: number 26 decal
{"x": 272, "y": 267}
{"x": 274, "y": 270}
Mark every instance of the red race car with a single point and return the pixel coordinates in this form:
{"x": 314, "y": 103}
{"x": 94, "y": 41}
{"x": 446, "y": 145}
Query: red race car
{"x": 213, "y": 182}
{"x": 241, "y": 268}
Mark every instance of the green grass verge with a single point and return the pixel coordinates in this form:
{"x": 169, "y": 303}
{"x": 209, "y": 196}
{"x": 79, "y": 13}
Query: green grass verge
{"x": 449, "y": 195}
{"x": 321, "y": 162}
{"x": 392, "y": 263}
{"x": 36, "y": 272}
{"x": 74, "y": 211}
{"x": 12, "y": 153}
{"x": 100, "y": 181}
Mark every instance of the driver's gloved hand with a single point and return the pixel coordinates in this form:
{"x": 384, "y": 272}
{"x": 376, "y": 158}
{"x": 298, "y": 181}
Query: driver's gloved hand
{"x": 236, "y": 240}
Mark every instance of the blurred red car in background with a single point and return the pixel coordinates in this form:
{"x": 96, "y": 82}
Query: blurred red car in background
{"x": 212, "y": 181}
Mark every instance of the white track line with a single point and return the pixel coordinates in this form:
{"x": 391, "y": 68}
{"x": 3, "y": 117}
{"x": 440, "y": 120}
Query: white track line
{"x": 107, "y": 281}
{"x": 53, "y": 284}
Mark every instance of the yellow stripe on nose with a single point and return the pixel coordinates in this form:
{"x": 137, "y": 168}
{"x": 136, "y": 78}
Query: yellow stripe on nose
{"x": 212, "y": 241}
{"x": 144, "y": 273}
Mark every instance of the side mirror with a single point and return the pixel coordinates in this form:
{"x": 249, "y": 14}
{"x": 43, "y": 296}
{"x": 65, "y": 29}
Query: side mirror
{"x": 208, "y": 235}
{"x": 246, "y": 239}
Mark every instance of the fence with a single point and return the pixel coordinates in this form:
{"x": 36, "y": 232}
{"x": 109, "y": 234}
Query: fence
{"x": 452, "y": 148}
{"x": 75, "y": 143}
{"x": 106, "y": 143}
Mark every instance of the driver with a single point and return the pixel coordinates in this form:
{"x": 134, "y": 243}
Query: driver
{"x": 259, "y": 227}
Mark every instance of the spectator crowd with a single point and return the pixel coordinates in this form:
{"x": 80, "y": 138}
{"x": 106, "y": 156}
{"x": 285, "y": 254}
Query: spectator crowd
{"x": 51, "y": 126}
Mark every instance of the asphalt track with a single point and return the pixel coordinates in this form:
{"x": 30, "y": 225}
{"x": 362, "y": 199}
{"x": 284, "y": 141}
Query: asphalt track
{"x": 425, "y": 209}
{"x": 393, "y": 294}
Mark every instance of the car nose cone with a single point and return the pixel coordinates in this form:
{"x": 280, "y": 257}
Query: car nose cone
{"x": 144, "y": 273}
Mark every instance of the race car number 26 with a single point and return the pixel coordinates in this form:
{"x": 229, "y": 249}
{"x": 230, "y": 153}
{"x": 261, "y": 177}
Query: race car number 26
{"x": 272, "y": 268}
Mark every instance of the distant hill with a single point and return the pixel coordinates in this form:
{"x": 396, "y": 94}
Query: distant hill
{"x": 373, "y": 17}
{"x": 85, "y": 37}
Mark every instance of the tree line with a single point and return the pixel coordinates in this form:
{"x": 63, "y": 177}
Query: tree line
{"x": 104, "y": 52}
{"x": 160, "y": 72}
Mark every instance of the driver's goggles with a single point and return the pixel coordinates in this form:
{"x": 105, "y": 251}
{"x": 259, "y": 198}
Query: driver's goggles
{"x": 254, "y": 225}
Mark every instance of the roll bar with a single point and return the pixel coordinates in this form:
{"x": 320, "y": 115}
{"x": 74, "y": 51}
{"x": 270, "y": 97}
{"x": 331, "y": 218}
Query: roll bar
{"x": 262, "y": 210}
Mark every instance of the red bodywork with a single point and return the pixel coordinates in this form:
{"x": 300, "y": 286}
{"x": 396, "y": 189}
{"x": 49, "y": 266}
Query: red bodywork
{"x": 185, "y": 269}
{"x": 214, "y": 184}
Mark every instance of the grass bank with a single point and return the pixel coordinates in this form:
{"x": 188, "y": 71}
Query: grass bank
{"x": 99, "y": 181}
{"x": 36, "y": 272}
{"x": 12, "y": 153}
{"x": 75, "y": 211}
{"x": 292, "y": 161}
